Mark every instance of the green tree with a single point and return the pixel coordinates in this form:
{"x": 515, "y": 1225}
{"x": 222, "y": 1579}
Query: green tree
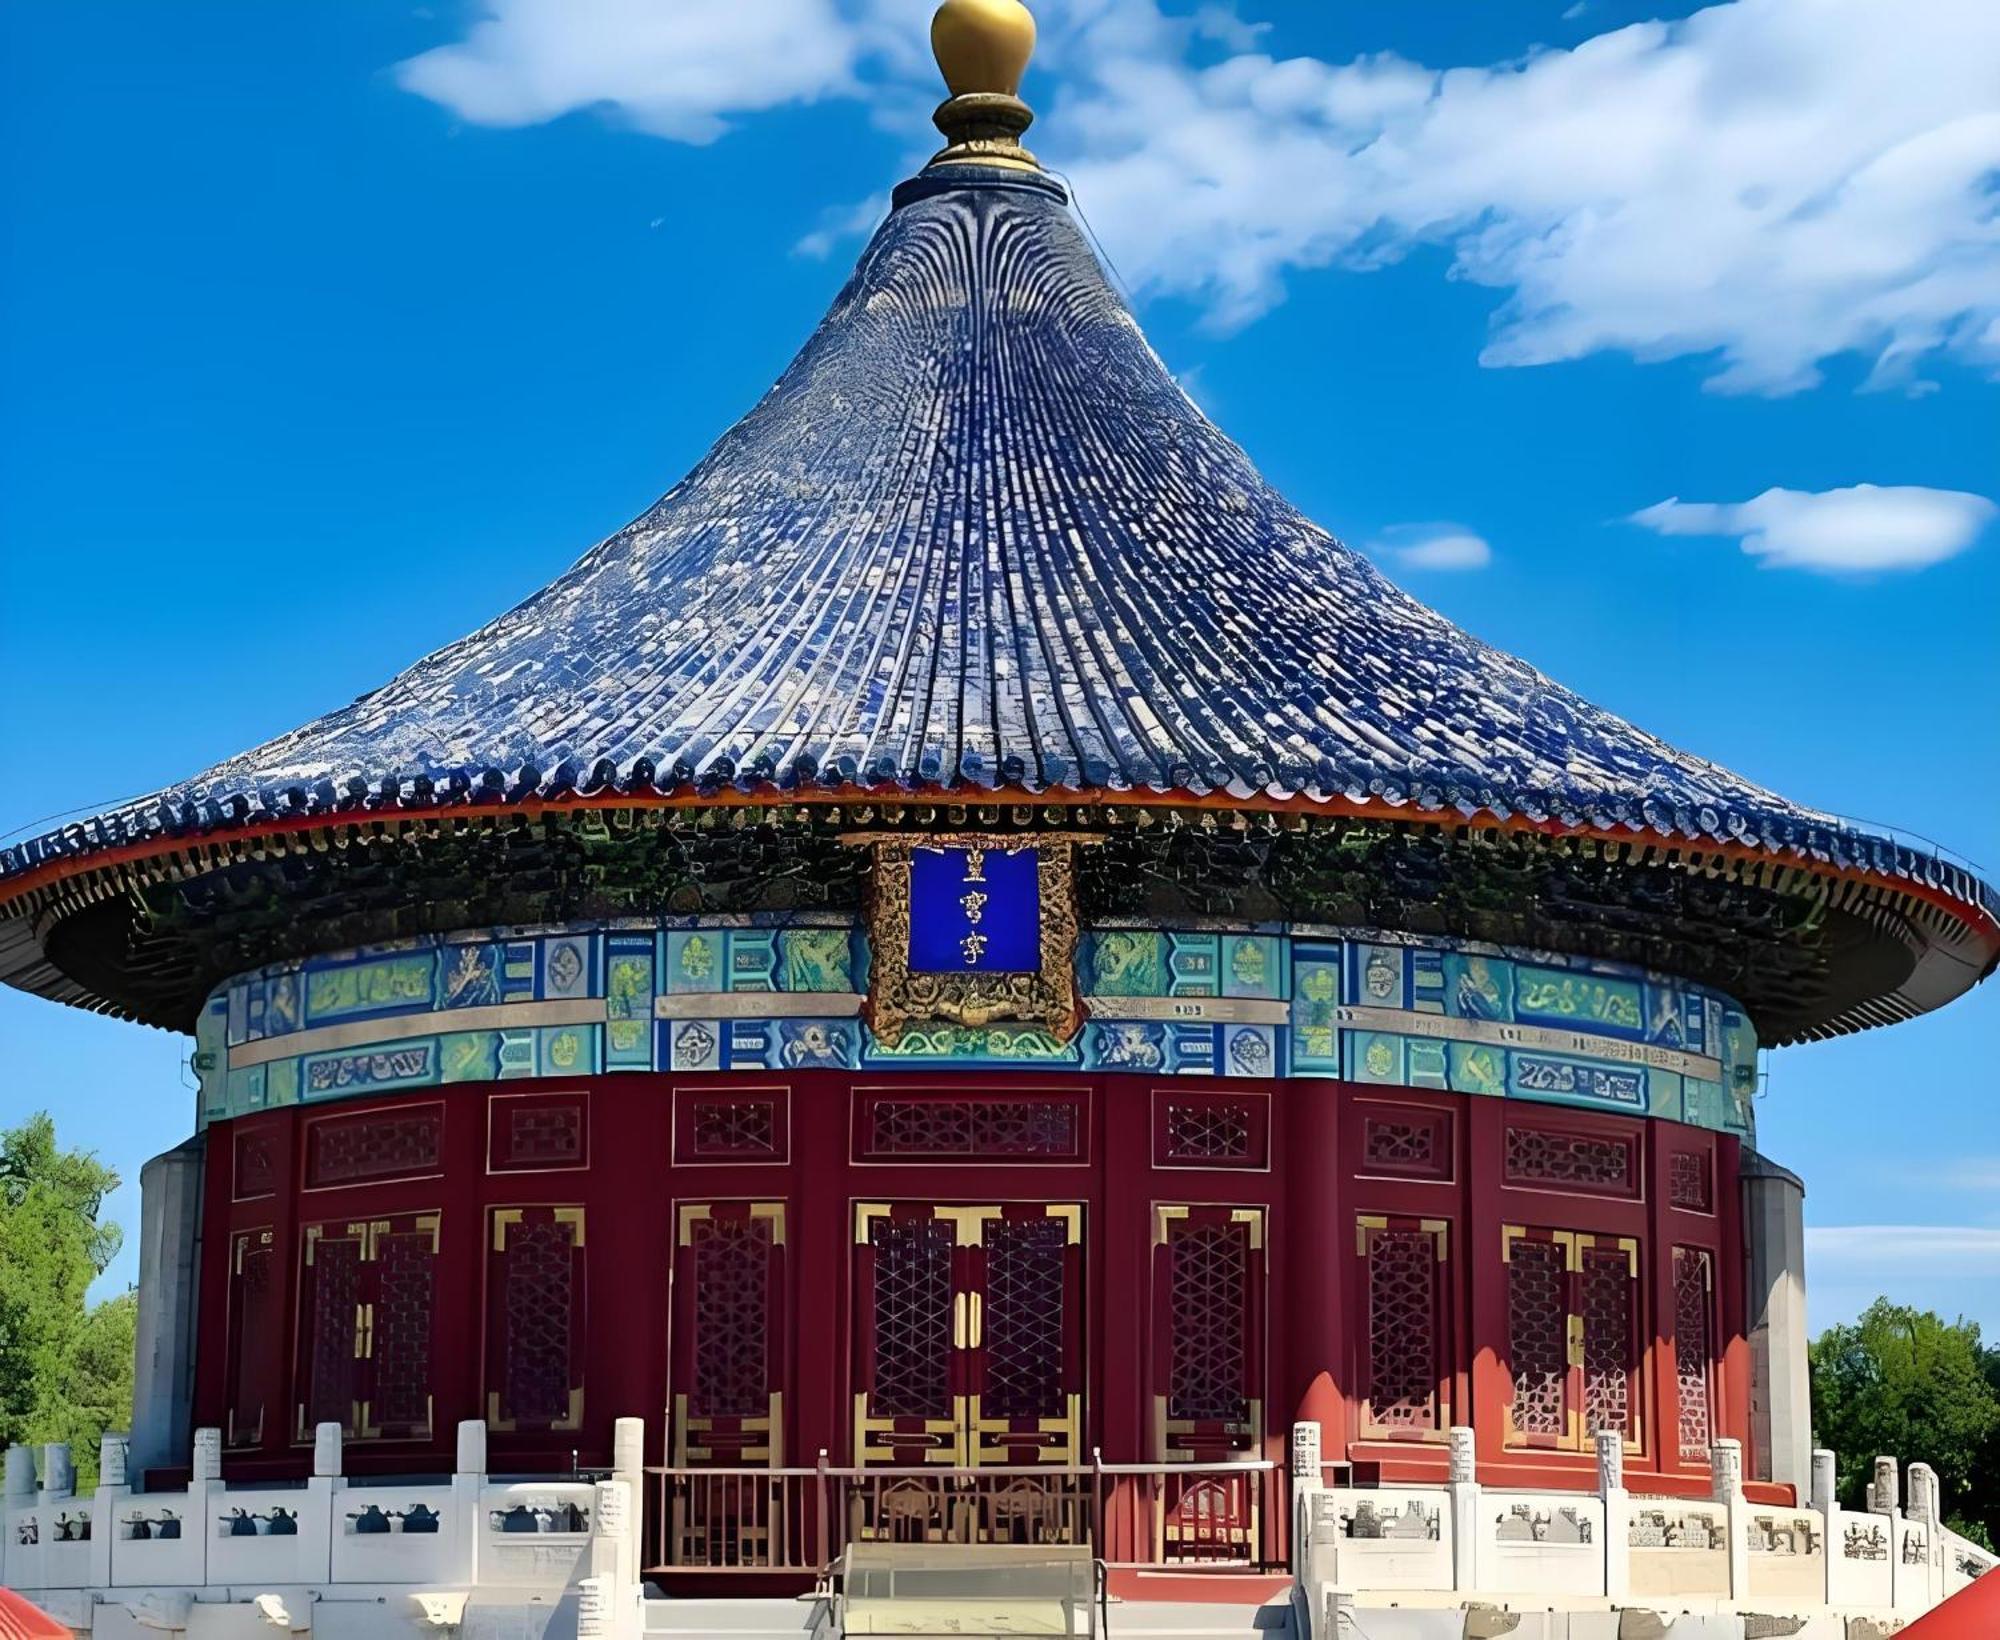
{"x": 65, "y": 1366}
{"x": 1904, "y": 1382}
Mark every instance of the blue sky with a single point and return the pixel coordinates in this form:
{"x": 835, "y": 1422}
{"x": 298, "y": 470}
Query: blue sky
{"x": 327, "y": 331}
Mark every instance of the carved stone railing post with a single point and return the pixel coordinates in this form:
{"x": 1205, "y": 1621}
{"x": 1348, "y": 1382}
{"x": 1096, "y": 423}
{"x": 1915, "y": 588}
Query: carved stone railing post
{"x": 20, "y": 1492}
{"x": 613, "y": 1561}
{"x": 58, "y": 1473}
{"x": 1926, "y": 1513}
{"x": 593, "y": 1609}
{"x": 1883, "y": 1490}
{"x": 1617, "y": 1514}
{"x": 467, "y": 1481}
{"x": 113, "y": 1472}
{"x": 204, "y": 1490}
{"x": 322, "y": 1504}
{"x": 1725, "y": 1468}
{"x": 1306, "y": 1479}
{"x": 1462, "y": 1481}
{"x": 1826, "y": 1503}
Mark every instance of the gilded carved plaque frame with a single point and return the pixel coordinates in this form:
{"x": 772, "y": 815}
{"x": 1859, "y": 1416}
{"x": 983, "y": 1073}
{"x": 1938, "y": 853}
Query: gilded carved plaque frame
{"x": 899, "y": 998}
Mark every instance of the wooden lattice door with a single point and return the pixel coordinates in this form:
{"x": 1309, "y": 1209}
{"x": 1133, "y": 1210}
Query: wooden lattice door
{"x": 1572, "y": 1337}
{"x": 968, "y": 1334}
{"x": 367, "y": 1306}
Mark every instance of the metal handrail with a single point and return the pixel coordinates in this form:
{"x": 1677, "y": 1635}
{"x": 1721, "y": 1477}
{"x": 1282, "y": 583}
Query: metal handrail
{"x": 795, "y": 1519}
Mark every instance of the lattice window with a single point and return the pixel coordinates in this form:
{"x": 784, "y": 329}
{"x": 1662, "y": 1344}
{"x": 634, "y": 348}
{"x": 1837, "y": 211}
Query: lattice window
{"x": 254, "y": 1333}
{"x": 1211, "y": 1272}
{"x": 378, "y": 1145}
{"x": 732, "y": 1260}
{"x": 405, "y": 1308}
{"x": 535, "y": 1319}
{"x": 1045, "y": 1128}
{"x": 1690, "y": 1181}
{"x": 530, "y": 1133}
{"x": 1026, "y": 1303}
{"x": 256, "y": 1163}
{"x": 1598, "y": 1163}
{"x": 735, "y": 1127}
{"x": 1208, "y": 1295}
{"x": 1694, "y": 1347}
{"x": 1207, "y": 1132}
{"x": 1416, "y": 1144}
{"x": 1607, "y": 1299}
{"x": 912, "y": 1316}
{"x": 1537, "y": 1336}
{"x": 333, "y": 1381}
{"x": 1405, "y": 1305}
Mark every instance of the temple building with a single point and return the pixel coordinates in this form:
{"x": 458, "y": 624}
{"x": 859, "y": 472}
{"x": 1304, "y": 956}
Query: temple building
{"x": 974, "y": 962}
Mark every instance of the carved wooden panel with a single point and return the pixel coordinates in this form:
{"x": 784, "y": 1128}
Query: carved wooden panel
{"x": 1598, "y": 1164}
{"x": 1195, "y": 1129}
{"x": 537, "y": 1132}
{"x": 893, "y": 1125}
{"x": 731, "y": 1126}
{"x": 374, "y": 1146}
{"x": 1405, "y": 1142}
{"x": 257, "y": 1161}
{"x": 1691, "y": 1181}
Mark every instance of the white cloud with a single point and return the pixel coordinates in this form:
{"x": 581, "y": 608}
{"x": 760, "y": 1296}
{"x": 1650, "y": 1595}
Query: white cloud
{"x": 1765, "y": 185}
{"x": 1433, "y": 546}
{"x": 676, "y": 68}
{"x": 1769, "y": 183}
{"x": 1864, "y": 527}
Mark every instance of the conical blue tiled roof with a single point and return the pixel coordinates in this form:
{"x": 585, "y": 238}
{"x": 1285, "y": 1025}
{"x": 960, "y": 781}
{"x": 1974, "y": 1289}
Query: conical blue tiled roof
{"x": 976, "y": 539}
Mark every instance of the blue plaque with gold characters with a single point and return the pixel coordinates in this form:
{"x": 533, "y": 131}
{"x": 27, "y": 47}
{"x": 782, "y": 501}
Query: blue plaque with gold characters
{"x": 969, "y": 931}
{"x": 975, "y": 911}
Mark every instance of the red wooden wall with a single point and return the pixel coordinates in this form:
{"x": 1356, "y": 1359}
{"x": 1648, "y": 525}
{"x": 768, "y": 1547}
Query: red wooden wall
{"x": 1317, "y": 1158}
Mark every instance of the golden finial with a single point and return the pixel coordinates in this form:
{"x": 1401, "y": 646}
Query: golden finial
{"x": 982, "y": 47}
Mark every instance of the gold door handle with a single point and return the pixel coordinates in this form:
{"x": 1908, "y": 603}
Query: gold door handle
{"x": 958, "y": 1321}
{"x": 978, "y": 1328}
{"x": 1576, "y": 1340}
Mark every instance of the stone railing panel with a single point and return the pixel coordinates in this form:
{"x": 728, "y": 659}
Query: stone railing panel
{"x": 1860, "y": 1550}
{"x": 1678, "y": 1546}
{"x": 267, "y": 1535}
{"x": 49, "y": 1544}
{"x": 159, "y": 1539}
{"x": 1544, "y": 1542}
{"x": 395, "y": 1534}
{"x": 1787, "y": 1555}
{"x": 1384, "y": 1538}
{"x": 1964, "y": 1560}
{"x": 531, "y": 1533}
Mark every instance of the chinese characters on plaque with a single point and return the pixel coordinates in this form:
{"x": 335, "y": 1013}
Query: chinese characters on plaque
{"x": 975, "y": 911}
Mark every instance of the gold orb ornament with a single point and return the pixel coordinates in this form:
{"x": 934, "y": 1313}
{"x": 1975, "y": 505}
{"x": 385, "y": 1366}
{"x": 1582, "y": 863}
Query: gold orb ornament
{"x": 983, "y": 46}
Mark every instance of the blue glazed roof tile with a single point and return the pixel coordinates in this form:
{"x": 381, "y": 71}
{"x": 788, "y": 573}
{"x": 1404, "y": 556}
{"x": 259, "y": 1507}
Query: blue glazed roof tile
{"x": 977, "y": 538}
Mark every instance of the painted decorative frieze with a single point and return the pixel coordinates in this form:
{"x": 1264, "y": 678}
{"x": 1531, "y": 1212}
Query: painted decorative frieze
{"x": 781, "y": 993}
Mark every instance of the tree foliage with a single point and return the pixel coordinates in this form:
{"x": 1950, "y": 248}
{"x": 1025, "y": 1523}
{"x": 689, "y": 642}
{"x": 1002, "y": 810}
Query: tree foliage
{"x": 1906, "y": 1383}
{"x": 66, "y": 1366}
